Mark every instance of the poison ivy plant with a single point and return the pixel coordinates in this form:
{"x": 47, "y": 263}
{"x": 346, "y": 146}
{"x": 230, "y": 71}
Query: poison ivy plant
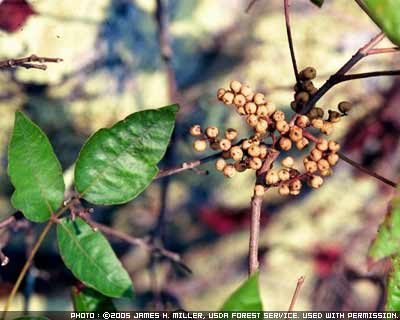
{"x": 117, "y": 164}
{"x": 246, "y": 297}
{"x": 91, "y": 259}
{"x": 34, "y": 171}
{"x": 87, "y": 299}
{"x": 386, "y": 14}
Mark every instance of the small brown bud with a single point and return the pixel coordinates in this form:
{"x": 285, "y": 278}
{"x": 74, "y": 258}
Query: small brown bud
{"x": 231, "y": 134}
{"x": 278, "y": 116}
{"x": 259, "y": 190}
{"x": 255, "y": 163}
{"x": 212, "y": 132}
{"x": 252, "y": 120}
{"x": 311, "y": 166}
{"x": 320, "y": 112}
{"x": 333, "y": 146}
{"x": 295, "y": 133}
{"x": 302, "y": 97}
{"x": 322, "y": 145}
{"x": 301, "y": 144}
{"x": 214, "y": 145}
{"x": 302, "y": 121}
{"x": 239, "y": 100}
{"x": 284, "y": 175}
{"x": 282, "y": 126}
{"x": 220, "y": 164}
{"x": 312, "y": 114}
{"x": 226, "y": 154}
{"x": 235, "y": 86}
{"x": 288, "y": 162}
{"x": 308, "y": 86}
{"x": 334, "y": 116}
{"x": 309, "y": 73}
{"x": 284, "y": 190}
{"x": 285, "y": 143}
{"x": 225, "y": 144}
{"x": 333, "y": 158}
{"x": 195, "y": 130}
{"x": 345, "y": 106}
{"x": 323, "y": 165}
{"x": 295, "y": 106}
{"x": 315, "y": 154}
{"x": 317, "y": 123}
{"x": 200, "y": 145}
{"x": 316, "y": 182}
{"x": 250, "y": 108}
{"x": 229, "y": 171}
{"x": 228, "y": 97}
{"x": 236, "y": 153}
{"x": 220, "y": 93}
{"x": 259, "y": 98}
{"x": 272, "y": 177}
{"x": 327, "y": 128}
{"x": 254, "y": 151}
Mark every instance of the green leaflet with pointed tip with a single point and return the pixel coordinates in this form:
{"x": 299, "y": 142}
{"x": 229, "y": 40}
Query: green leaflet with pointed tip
{"x": 318, "y": 3}
{"x": 117, "y": 164}
{"x": 386, "y": 14}
{"x": 387, "y": 241}
{"x": 88, "y": 300}
{"x": 393, "y": 287}
{"x": 34, "y": 171}
{"x": 91, "y": 259}
{"x": 246, "y": 297}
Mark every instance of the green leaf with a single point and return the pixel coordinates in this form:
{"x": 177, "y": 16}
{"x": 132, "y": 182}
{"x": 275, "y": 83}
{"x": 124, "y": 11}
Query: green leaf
{"x": 88, "y": 300}
{"x": 246, "y": 297}
{"x": 91, "y": 259}
{"x": 387, "y": 241}
{"x": 117, "y": 164}
{"x": 34, "y": 170}
{"x": 386, "y": 14}
{"x": 393, "y": 287}
{"x": 318, "y": 3}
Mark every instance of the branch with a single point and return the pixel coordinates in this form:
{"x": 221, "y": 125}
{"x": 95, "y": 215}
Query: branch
{"x": 348, "y": 77}
{"x": 290, "y": 41}
{"x": 383, "y": 50}
{"x": 296, "y": 293}
{"x": 31, "y": 62}
{"x": 361, "y": 53}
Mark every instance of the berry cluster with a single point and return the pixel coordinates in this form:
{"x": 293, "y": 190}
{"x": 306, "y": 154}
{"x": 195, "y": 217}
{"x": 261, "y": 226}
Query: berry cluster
{"x": 272, "y": 132}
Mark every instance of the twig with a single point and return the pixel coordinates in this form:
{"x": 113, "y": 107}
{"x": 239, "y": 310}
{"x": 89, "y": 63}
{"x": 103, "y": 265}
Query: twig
{"x": 250, "y": 5}
{"x": 365, "y": 170}
{"x": 6, "y": 222}
{"x": 290, "y": 41}
{"x": 29, "y": 62}
{"x": 296, "y": 293}
{"x": 383, "y": 50}
{"x": 256, "y": 203}
{"x": 366, "y": 75}
{"x": 361, "y": 53}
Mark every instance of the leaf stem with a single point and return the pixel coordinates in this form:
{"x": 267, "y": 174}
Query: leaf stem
{"x": 296, "y": 293}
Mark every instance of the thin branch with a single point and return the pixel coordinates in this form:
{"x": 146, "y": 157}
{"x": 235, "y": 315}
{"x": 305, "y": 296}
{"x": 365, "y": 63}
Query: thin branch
{"x": 296, "y": 293}
{"x": 31, "y": 62}
{"x": 366, "y": 75}
{"x": 361, "y": 53}
{"x": 290, "y": 41}
{"x": 250, "y": 5}
{"x": 383, "y": 50}
{"x": 367, "y": 171}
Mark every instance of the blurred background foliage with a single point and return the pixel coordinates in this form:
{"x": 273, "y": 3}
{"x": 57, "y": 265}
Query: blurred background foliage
{"x": 112, "y": 67}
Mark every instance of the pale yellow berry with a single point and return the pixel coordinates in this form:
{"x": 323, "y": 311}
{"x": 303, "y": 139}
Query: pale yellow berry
{"x": 282, "y": 126}
{"x": 252, "y": 120}
{"x": 272, "y": 177}
{"x": 230, "y": 134}
{"x": 263, "y": 151}
{"x": 315, "y": 154}
{"x": 259, "y": 190}
{"x": 212, "y": 132}
{"x": 220, "y": 93}
{"x": 333, "y": 146}
{"x": 228, "y": 97}
{"x": 200, "y": 145}
{"x": 301, "y": 144}
{"x": 249, "y": 97}
{"x": 262, "y": 111}
{"x": 241, "y": 111}
{"x": 235, "y": 86}
{"x": 271, "y": 108}
{"x": 255, "y": 163}
{"x": 333, "y": 158}
{"x": 284, "y": 190}
{"x": 225, "y": 144}
{"x": 278, "y": 116}
{"x": 288, "y": 162}
{"x": 327, "y": 128}
{"x": 239, "y": 100}
{"x": 326, "y": 172}
{"x": 322, "y": 145}
{"x": 302, "y": 121}
{"x": 311, "y": 166}
{"x": 295, "y": 185}
{"x": 246, "y": 90}
{"x": 262, "y": 126}
{"x": 250, "y": 108}
{"x": 309, "y": 73}
{"x": 246, "y": 144}
{"x": 316, "y": 182}
{"x": 229, "y": 171}
{"x": 236, "y": 153}
{"x": 220, "y": 164}
{"x": 259, "y": 98}
{"x": 294, "y": 192}
{"x": 323, "y": 165}
{"x": 284, "y": 174}
{"x": 254, "y": 151}
{"x": 285, "y": 143}
{"x": 195, "y": 130}
{"x": 295, "y": 133}
{"x": 317, "y": 123}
